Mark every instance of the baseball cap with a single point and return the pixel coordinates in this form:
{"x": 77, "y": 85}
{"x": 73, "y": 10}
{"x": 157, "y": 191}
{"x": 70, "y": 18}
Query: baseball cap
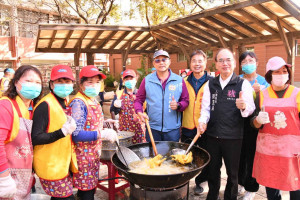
{"x": 160, "y": 53}
{"x": 10, "y": 70}
{"x": 129, "y": 72}
{"x": 61, "y": 71}
{"x": 276, "y": 63}
{"x": 90, "y": 71}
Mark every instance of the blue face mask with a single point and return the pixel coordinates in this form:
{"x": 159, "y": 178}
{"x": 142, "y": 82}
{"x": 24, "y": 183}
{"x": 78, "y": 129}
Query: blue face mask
{"x": 130, "y": 84}
{"x": 63, "y": 90}
{"x": 249, "y": 68}
{"x": 91, "y": 91}
{"x": 30, "y": 90}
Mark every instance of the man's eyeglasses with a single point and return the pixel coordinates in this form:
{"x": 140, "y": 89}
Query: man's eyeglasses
{"x": 228, "y": 60}
{"x": 197, "y": 61}
{"x": 161, "y": 60}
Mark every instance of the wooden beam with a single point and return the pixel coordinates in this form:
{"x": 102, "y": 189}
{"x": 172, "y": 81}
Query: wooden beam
{"x": 106, "y": 40}
{"x": 120, "y": 39}
{"x": 202, "y": 23}
{"x": 90, "y": 60}
{"x": 256, "y": 21}
{"x": 223, "y": 42}
{"x": 131, "y": 40}
{"x": 274, "y": 17}
{"x": 182, "y": 29}
{"x": 283, "y": 37}
{"x": 185, "y": 52}
{"x": 72, "y": 50}
{"x": 210, "y": 12}
{"x": 52, "y": 38}
{"x": 94, "y": 27}
{"x": 286, "y": 5}
{"x": 138, "y": 44}
{"x": 148, "y": 45}
{"x": 200, "y": 31}
{"x": 165, "y": 44}
{"x": 241, "y": 24}
{"x": 183, "y": 37}
{"x": 94, "y": 39}
{"x": 125, "y": 56}
{"x": 67, "y": 39}
{"x": 37, "y": 40}
{"x": 231, "y": 29}
{"x": 79, "y": 42}
{"x": 292, "y": 57}
{"x": 166, "y": 38}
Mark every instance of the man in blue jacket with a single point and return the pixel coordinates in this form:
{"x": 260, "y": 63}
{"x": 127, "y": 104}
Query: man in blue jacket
{"x": 166, "y": 95}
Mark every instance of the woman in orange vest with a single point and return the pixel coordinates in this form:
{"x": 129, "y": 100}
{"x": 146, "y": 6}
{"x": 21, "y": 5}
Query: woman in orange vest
{"x": 88, "y": 115}
{"x": 54, "y": 155}
{"x": 123, "y": 104}
{"x": 277, "y": 159}
{"x": 15, "y": 128}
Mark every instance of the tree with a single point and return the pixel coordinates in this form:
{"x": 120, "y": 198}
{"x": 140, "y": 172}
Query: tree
{"x": 158, "y": 11}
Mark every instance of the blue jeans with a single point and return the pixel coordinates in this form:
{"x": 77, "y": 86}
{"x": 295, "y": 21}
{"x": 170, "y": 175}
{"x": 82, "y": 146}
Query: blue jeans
{"x": 275, "y": 194}
{"x": 173, "y": 135}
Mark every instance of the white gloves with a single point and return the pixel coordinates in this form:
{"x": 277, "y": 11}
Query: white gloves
{"x": 109, "y": 134}
{"x": 118, "y": 103}
{"x": 8, "y": 187}
{"x": 69, "y": 127}
{"x": 263, "y": 117}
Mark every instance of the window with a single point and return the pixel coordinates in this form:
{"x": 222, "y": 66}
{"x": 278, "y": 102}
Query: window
{"x": 181, "y": 57}
{"x": 4, "y": 22}
{"x": 209, "y": 54}
{"x": 29, "y": 20}
{"x": 250, "y": 49}
{"x": 128, "y": 61}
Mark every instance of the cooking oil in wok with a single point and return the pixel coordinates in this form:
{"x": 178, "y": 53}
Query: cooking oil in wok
{"x": 157, "y": 166}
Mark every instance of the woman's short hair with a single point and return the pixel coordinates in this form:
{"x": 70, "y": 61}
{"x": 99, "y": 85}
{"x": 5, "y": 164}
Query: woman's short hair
{"x": 245, "y": 54}
{"x": 268, "y": 76}
{"x": 11, "y": 92}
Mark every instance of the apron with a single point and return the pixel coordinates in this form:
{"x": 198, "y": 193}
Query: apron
{"x": 20, "y": 155}
{"x": 129, "y": 121}
{"x": 59, "y": 188}
{"x": 88, "y": 153}
{"x": 276, "y": 162}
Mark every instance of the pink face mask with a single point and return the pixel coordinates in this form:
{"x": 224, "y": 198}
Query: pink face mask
{"x": 280, "y": 79}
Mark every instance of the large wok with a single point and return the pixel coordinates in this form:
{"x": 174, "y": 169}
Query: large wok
{"x": 144, "y": 150}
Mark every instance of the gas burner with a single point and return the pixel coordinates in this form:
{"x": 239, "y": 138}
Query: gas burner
{"x": 179, "y": 193}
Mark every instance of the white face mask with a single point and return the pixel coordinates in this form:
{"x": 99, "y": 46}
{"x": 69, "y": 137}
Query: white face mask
{"x": 280, "y": 80}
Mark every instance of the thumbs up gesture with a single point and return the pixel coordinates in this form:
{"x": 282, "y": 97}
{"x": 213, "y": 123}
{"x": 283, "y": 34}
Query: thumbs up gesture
{"x": 256, "y": 86}
{"x": 173, "y": 104}
{"x": 239, "y": 102}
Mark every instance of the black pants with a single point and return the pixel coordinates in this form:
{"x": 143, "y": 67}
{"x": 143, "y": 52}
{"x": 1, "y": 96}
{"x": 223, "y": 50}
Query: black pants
{"x": 86, "y": 195}
{"x": 101, "y": 95}
{"x": 229, "y": 150}
{"x": 65, "y": 198}
{"x": 187, "y": 137}
{"x": 247, "y": 158}
{"x": 274, "y": 194}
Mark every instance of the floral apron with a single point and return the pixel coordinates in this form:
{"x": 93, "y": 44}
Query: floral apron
{"x": 20, "y": 155}
{"x": 129, "y": 121}
{"x": 88, "y": 153}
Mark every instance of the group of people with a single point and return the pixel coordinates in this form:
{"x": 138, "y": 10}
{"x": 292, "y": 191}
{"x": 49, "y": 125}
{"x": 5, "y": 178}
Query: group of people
{"x": 249, "y": 121}
{"x": 59, "y": 140}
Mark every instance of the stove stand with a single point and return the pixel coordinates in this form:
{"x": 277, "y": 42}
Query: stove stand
{"x": 179, "y": 193}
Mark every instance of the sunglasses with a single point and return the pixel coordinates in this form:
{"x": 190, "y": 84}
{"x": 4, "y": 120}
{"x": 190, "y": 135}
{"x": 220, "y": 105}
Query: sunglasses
{"x": 161, "y": 60}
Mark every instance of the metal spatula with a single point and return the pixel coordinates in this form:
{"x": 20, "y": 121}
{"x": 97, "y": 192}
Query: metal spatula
{"x": 126, "y": 155}
{"x": 178, "y": 151}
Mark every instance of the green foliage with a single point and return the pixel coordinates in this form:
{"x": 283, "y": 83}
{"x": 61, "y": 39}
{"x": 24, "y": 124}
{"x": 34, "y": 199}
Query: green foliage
{"x": 142, "y": 71}
{"x": 109, "y": 81}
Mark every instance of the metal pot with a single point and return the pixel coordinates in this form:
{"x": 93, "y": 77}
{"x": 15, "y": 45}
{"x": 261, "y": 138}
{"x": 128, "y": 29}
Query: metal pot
{"x": 145, "y": 150}
{"x": 108, "y": 148}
